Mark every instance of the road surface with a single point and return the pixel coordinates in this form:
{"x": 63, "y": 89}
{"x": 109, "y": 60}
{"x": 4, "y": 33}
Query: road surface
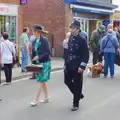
{"x": 101, "y": 102}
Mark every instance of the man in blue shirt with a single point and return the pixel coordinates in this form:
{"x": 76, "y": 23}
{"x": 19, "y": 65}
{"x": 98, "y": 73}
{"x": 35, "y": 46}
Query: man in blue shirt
{"x": 24, "y": 42}
{"x": 84, "y": 35}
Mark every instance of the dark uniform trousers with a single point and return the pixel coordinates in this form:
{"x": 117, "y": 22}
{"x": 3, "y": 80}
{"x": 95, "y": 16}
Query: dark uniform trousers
{"x": 74, "y": 81}
{"x": 96, "y": 58}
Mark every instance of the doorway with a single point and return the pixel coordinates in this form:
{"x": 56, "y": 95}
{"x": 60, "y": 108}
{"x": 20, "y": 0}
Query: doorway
{"x": 84, "y": 24}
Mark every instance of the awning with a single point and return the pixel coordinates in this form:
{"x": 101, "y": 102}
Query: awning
{"x": 79, "y": 8}
{"x": 91, "y": 4}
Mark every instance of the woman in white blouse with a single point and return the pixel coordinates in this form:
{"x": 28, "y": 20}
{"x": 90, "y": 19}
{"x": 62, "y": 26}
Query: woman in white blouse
{"x": 7, "y": 54}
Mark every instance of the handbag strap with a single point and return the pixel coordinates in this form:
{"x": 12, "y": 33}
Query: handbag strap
{"x": 8, "y": 48}
{"x": 113, "y": 44}
{"x": 106, "y": 43}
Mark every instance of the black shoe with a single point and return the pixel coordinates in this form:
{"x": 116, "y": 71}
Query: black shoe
{"x": 74, "y": 108}
{"x": 32, "y": 78}
{"x": 82, "y": 96}
{"x": 23, "y": 71}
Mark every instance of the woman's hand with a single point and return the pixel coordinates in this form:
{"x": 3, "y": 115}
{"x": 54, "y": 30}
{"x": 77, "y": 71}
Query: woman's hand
{"x": 118, "y": 50}
{"x": 14, "y": 58}
{"x": 35, "y": 58}
{"x": 1, "y": 65}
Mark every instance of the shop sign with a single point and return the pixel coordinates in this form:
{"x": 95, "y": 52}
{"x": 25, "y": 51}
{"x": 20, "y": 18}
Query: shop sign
{"x": 69, "y": 1}
{"x": 23, "y": 2}
{"x": 8, "y": 10}
{"x": 90, "y": 16}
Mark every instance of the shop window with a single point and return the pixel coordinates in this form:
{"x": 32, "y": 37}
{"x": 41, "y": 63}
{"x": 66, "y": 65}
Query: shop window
{"x": 8, "y": 24}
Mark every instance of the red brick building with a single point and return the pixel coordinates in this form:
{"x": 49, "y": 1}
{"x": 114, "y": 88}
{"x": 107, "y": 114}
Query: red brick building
{"x": 50, "y": 14}
{"x": 56, "y": 16}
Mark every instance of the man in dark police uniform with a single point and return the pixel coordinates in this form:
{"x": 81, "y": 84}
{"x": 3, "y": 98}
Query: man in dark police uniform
{"x": 77, "y": 60}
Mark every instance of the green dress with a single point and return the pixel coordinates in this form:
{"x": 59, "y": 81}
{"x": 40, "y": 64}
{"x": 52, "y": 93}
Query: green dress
{"x": 44, "y": 76}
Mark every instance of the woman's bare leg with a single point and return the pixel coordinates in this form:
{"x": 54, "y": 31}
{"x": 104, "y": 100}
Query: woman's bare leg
{"x": 45, "y": 90}
{"x": 37, "y": 95}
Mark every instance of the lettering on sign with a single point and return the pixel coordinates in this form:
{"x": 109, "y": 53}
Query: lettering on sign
{"x": 9, "y": 10}
{"x": 4, "y": 9}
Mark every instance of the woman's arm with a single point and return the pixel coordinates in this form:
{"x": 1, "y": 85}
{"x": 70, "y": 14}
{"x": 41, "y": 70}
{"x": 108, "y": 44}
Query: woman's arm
{"x": 44, "y": 50}
{"x": 0, "y": 55}
{"x": 13, "y": 50}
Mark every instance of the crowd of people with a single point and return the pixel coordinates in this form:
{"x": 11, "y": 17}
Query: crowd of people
{"x": 104, "y": 42}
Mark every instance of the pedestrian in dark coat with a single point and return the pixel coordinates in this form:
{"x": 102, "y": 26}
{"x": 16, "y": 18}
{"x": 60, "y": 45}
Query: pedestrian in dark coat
{"x": 94, "y": 44}
{"x": 78, "y": 56}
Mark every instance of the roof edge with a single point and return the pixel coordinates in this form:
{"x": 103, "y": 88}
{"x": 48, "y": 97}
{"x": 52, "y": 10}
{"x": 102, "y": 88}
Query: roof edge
{"x": 97, "y": 4}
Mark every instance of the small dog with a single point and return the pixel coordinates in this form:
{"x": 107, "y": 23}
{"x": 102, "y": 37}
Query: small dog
{"x": 95, "y": 70}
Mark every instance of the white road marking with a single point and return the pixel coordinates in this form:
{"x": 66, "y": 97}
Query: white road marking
{"x": 26, "y": 78}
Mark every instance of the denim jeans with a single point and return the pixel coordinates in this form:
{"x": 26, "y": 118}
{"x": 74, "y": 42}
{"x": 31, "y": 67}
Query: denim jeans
{"x": 109, "y": 62}
{"x": 24, "y": 59}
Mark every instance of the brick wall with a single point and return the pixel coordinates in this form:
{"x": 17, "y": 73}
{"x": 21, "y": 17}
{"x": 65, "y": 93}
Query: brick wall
{"x": 51, "y": 14}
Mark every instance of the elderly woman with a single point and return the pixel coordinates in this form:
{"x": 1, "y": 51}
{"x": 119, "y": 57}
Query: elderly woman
{"x": 7, "y": 52}
{"x": 109, "y": 45}
{"x": 65, "y": 46}
{"x": 41, "y": 54}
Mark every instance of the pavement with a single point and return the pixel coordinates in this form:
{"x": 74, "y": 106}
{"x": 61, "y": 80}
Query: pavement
{"x": 57, "y": 64}
{"x": 101, "y": 102}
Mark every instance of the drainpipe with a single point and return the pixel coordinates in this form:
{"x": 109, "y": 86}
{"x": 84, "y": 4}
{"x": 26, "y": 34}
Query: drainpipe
{"x": 52, "y": 49}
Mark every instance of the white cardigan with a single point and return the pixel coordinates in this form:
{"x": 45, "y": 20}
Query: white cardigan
{"x": 7, "y": 48}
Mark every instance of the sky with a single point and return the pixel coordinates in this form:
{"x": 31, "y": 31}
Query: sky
{"x": 117, "y": 2}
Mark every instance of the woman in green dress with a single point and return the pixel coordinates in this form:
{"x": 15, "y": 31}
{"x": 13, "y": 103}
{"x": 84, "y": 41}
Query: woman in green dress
{"x": 41, "y": 56}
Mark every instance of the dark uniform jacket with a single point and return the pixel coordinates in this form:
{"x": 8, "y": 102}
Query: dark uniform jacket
{"x": 43, "y": 50}
{"x": 78, "y": 53}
